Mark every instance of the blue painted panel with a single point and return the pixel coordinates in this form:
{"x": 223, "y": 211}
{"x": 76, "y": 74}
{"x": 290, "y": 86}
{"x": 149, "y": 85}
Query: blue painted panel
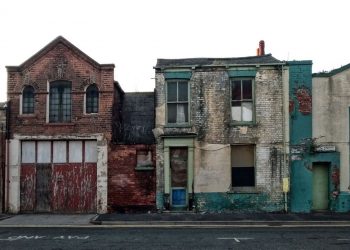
{"x": 178, "y": 196}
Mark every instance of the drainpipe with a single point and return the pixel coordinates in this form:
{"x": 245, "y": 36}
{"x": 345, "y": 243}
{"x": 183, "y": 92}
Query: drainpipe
{"x": 7, "y": 164}
{"x": 284, "y": 125}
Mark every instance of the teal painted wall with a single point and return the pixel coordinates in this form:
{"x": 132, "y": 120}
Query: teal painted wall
{"x": 302, "y": 155}
{"x": 234, "y": 202}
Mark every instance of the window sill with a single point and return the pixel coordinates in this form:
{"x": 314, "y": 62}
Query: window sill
{"x": 91, "y": 114}
{"x": 244, "y": 190}
{"x": 238, "y": 124}
{"x": 187, "y": 125}
{"x": 27, "y": 116}
{"x": 144, "y": 168}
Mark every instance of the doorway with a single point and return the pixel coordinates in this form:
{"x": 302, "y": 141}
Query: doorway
{"x": 178, "y": 173}
{"x": 320, "y": 186}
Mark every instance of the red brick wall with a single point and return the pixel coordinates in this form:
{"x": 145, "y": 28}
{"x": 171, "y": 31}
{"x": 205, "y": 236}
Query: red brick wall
{"x": 81, "y": 71}
{"x": 130, "y": 189}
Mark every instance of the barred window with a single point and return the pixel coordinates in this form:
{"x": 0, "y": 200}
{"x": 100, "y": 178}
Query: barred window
{"x": 60, "y": 101}
{"x": 28, "y": 100}
{"x": 92, "y": 96}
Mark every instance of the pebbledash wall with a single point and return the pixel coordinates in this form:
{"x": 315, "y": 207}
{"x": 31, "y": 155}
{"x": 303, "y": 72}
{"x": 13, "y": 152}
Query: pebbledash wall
{"x": 211, "y": 133}
{"x": 60, "y": 60}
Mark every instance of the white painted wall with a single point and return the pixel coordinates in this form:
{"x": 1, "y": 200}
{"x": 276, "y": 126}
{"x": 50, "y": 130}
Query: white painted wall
{"x": 330, "y": 108}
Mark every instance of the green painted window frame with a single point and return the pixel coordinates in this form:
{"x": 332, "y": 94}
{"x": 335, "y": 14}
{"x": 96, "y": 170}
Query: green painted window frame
{"x": 176, "y": 124}
{"x": 240, "y": 123}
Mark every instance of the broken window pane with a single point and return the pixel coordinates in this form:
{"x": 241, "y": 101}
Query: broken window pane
{"x": 144, "y": 158}
{"x": 247, "y": 89}
{"x": 242, "y": 161}
{"x": 236, "y": 90}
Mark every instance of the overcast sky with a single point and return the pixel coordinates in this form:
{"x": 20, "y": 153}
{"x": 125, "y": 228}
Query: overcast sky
{"x": 132, "y": 34}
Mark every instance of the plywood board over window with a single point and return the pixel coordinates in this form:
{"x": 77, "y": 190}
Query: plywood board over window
{"x": 75, "y": 151}
{"x": 28, "y": 152}
{"x": 59, "y": 152}
{"x": 90, "y": 151}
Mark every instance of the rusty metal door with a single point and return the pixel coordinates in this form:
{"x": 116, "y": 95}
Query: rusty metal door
{"x": 178, "y": 166}
{"x": 43, "y": 190}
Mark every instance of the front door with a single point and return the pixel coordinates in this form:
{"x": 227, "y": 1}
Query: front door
{"x": 178, "y": 172}
{"x": 320, "y": 185}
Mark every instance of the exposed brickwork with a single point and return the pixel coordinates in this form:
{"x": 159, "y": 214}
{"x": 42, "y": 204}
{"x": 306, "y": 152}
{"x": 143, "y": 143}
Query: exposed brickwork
{"x": 210, "y": 120}
{"x": 61, "y": 62}
{"x": 130, "y": 189}
{"x": 304, "y": 100}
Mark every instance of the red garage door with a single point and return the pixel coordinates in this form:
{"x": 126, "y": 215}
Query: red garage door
{"x": 58, "y": 176}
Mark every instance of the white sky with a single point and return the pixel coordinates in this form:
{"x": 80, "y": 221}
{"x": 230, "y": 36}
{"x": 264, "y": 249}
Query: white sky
{"x": 132, "y": 34}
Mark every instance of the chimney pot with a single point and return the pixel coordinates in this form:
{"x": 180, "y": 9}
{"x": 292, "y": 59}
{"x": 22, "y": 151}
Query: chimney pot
{"x": 261, "y": 48}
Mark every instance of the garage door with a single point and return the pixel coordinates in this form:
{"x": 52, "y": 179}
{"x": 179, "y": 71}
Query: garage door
{"x": 58, "y": 176}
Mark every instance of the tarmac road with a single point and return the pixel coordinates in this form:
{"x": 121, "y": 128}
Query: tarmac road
{"x": 175, "y": 238}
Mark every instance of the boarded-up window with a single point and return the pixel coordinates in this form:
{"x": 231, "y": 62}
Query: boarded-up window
{"x": 144, "y": 159}
{"x": 90, "y": 151}
{"x": 242, "y": 162}
{"x": 59, "y": 152}
{"x": 28, "y": 152}
{"x": 44, "y": 152}
{"x": 75, "y": 151}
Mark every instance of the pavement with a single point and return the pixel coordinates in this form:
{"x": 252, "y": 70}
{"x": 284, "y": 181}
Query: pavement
{"x": 166, "y": 219}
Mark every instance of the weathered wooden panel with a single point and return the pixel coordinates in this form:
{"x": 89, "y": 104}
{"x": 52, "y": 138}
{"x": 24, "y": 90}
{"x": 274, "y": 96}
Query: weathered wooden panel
{"x": 178, "y": 165}
{"x": 74, "y": 188}
{"x": 27, "y": 187}
{"x": 43, "y": 187}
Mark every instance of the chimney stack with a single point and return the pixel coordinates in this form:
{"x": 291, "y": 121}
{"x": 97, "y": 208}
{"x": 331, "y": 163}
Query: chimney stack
{"x": 261, "y": 50}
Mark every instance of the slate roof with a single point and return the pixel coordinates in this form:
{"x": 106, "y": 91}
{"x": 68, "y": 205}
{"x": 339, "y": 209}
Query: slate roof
{"x": 332, "y": 72}
{"x": 138, "y": 118}
{"x": 191, "y": 62}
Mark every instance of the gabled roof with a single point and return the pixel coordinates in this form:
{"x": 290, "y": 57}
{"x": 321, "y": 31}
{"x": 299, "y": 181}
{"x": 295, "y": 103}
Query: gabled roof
{"x": 52, "y": 45}
{"x": 200, "y": 62}
{"x": 332, "y": 72}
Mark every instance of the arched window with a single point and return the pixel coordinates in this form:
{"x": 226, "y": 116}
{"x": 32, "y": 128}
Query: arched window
{"x": 28, "y": 100}
{"x": 92, "y": 96}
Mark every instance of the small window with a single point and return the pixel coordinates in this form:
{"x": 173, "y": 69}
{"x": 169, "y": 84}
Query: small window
{"x": 44, "y": 152}
{"x": 242, "y": 162}
{"x": 28, "y": 100}
{"x": 59, "y": 152}
{"x": 242, "y": 100}
{"x": 90, "y": 151}
{"x": 60, "y": 101}
{"x": 177, "y": 102}
{"x": 75, "y": 151}
{"x": 28, "y": 152}
{"x": 92, "y": 96}
{"x": 144, "y": 160}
